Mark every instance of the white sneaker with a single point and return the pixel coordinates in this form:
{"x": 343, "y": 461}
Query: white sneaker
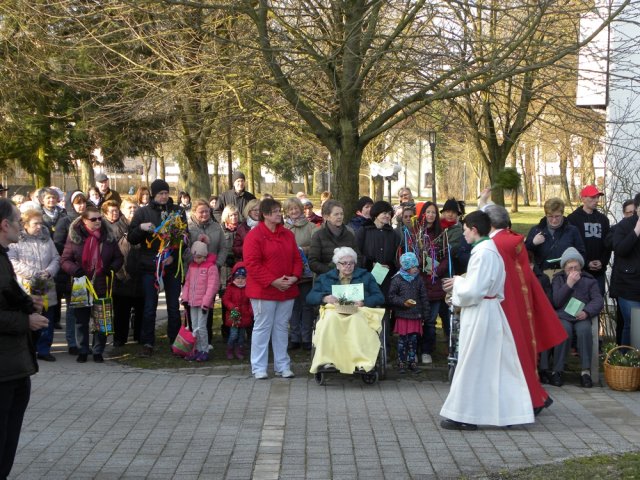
{"x": 260, "y": 375}
{"x": 426, "y": 359}
{"x": 285, "y": 374}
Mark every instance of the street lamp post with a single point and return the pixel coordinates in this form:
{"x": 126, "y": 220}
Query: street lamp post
{"x": 432, "y": 144}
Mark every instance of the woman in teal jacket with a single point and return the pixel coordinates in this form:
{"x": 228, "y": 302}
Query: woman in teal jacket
{"x": 346, "y": 272}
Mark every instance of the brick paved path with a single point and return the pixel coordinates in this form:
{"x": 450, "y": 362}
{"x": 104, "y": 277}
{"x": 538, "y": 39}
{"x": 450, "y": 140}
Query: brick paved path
{"x": 109, "y": 422}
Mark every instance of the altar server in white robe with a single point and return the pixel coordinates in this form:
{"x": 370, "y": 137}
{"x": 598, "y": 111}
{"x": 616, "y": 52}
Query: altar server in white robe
{"x": 489, "y": 387}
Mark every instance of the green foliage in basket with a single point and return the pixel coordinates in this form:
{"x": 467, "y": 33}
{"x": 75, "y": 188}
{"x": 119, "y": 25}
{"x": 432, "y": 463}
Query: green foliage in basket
{"x": 630, "y": 358}
{"x": 342, "y": 300}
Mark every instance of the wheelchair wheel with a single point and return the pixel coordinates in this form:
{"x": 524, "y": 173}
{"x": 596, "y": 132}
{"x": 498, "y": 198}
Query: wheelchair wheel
{"x": 321, "y": 378}
{"x": 370, "y": 378}
{"x": 382, "y": 356}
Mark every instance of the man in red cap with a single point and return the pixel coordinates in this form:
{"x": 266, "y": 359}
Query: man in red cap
{"x": 594, "y": 228}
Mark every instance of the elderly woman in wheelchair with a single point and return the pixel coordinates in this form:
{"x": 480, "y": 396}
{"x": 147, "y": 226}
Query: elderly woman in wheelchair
{"x": 348, "y": 341}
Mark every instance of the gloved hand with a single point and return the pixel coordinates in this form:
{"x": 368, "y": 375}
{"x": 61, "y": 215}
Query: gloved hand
{"x": 205, "y": 310}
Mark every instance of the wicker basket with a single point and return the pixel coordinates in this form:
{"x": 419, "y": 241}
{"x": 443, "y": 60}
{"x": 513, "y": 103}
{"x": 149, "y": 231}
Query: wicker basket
{"x": 346, "y": 309}
{"x": 624, "y": 379}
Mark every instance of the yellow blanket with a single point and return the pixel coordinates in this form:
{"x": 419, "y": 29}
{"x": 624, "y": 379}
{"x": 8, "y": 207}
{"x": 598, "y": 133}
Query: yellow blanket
{"x": 347, "y": 341}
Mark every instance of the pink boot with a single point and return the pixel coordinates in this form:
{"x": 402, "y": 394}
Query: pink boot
{"x": 229, "y": 353}
{"x": 239, "y": 352}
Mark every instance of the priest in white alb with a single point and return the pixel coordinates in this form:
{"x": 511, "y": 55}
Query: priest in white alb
{"x": 489, "y": 387}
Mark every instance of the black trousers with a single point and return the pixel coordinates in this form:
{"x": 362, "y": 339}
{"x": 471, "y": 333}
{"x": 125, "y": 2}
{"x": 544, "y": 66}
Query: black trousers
{"x": 14, "y": 398}
{"x": 122, "y": 306}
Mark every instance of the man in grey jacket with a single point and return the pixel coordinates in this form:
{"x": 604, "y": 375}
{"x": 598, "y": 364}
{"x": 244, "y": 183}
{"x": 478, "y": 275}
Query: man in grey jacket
{"x": 18, "y": 318}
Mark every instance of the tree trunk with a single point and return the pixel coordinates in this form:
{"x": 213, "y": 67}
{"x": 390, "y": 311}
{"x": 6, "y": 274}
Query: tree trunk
{"x": 564, "y": 185}
{"x": 249, "y": 163}
{"x": 195, "y": 165}
{"x": 216, "y": 176}
{"x": 525, "y": 183}
{"x": 495, "y": 167}
{"x": 229, "y": 156}
{"x": 306, "y": 183}
{"x": 161, "y": 167}
{"x": 514, "y": 201}
{"x": 345, "y": 188}
{"x": 86, "y": 174}
{"x": 42, "y": 174}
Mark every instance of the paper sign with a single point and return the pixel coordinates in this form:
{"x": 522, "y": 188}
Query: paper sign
{"x": 379, "y": 272}
{"x": 353, "y": 292}
{"x": 574, "y": 307}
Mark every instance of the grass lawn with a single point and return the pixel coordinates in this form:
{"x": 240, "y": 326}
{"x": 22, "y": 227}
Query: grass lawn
{"x": 623, "y": 466}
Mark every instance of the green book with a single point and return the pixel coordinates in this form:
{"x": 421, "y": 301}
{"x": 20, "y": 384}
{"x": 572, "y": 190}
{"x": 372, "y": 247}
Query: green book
{"x": 574, "y": 307}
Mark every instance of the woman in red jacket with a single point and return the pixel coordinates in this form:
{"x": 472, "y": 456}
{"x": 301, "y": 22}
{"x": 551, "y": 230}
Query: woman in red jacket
{"x": 273, "y": 266}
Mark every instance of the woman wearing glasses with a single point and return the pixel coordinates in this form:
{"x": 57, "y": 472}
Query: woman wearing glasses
{"x": 274, "y": 267}
{"x": 345, "y": 273}
{"x": 92, "y": 250}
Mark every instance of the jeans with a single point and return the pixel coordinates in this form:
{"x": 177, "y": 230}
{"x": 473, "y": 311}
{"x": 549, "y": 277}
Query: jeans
{"x": 429, "y": 328}
{"x": 83, "y": 319}
{"x": 43, "y": 345}
{"x": 625, "y": 308}
{"x": 301, "y": 323}
{"x": 271, "y": 322}
{"x": 172, "y": 294}
{"x": 236, "y": 337}
{"x": 14, "y": 398}
{"x": 71, "y": 327}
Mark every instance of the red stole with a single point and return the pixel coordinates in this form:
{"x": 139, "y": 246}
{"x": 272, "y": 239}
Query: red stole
{"x": 533, "y": 321}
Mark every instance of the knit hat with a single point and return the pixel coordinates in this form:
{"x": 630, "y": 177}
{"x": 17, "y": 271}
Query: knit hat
{"x": 408, "y": 261}
{"x": 362, "y": 202}
{"x": 306, "y": 201}
{"x": 77, "y": 194}
{"x": 453, "y": 205}
{"x": 236, "y": 175}
{"x": 380, "y": 207}
{"x": 199, "y": 248}
{"x": 240, "y": 272}
{"x": 158, "y": 186}
{"x": 571, "y": 254}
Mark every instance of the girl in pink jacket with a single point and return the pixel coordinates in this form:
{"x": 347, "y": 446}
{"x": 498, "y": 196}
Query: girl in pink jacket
{"x": 199, "y": 291}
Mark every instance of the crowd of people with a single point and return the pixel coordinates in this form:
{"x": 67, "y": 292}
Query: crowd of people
{"x": 271, "y": 264}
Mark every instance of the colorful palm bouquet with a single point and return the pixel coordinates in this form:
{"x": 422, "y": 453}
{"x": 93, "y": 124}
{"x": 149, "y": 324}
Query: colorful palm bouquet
{"x": 172, "y": 235}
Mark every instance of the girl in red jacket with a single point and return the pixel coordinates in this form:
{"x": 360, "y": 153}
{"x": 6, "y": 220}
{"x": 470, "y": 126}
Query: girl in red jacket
{"x": 199, "y": 291}
{"x": 239, "y": 315}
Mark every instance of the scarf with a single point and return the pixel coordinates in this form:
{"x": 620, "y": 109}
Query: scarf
{"x": 91, "y": 258}
{"x": 298, "y": 222}
{"x": 251, "y": 223}
{"x": 407, "y": 262}
{"x": 446, "y": 223}
{"x": 230, "y": 227}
